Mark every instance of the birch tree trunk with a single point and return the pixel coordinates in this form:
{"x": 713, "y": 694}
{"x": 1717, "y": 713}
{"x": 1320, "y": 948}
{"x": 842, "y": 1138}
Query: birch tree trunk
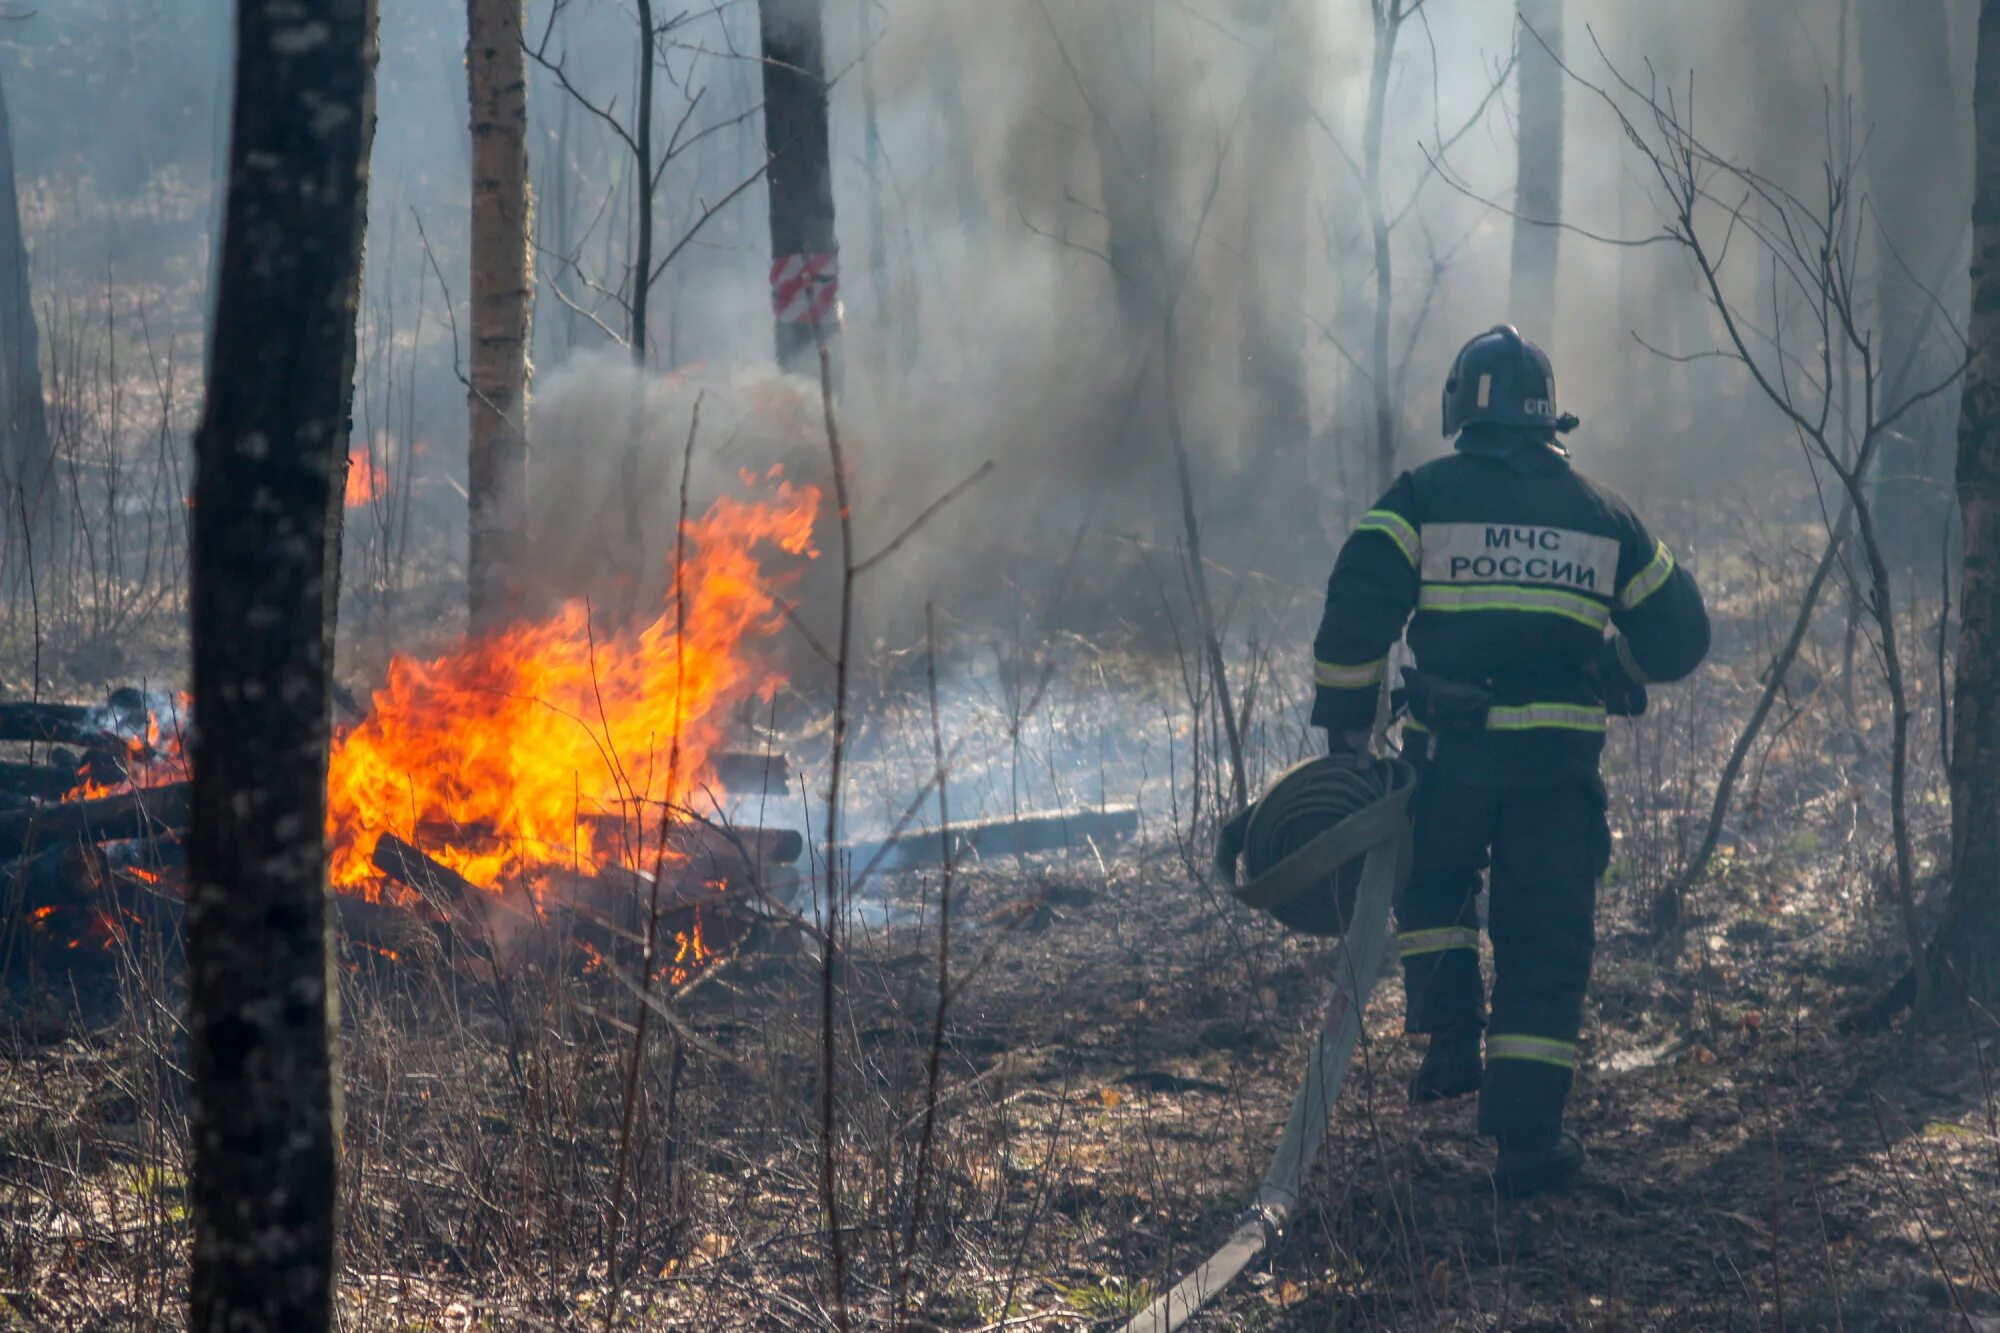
{"x": 502, "y": 288}
{"x": 1967, "y": 950}
{"x": 270, "y": 460}
{"x": 1538, "y": 190}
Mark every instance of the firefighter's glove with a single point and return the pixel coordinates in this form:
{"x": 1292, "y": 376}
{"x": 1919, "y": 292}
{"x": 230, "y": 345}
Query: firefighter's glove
{"x": 1623, "y": 696}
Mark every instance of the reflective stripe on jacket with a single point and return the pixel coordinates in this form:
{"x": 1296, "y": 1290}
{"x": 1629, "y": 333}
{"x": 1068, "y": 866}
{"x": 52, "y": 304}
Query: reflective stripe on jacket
{"x": 1508, "y": 569}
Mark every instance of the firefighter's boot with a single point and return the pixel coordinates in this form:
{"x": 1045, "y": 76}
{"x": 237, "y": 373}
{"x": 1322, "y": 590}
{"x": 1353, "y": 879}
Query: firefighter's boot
{"x": 1451, "y": 1065}
{"x": 1520, "y": 1172}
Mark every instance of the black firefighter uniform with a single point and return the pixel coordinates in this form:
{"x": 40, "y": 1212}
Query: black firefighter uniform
{"x": 1509, "y": 568}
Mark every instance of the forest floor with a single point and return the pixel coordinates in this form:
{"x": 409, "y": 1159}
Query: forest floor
{"x": 1120, "y": 1047}
{"x": 1114, "y": 1070}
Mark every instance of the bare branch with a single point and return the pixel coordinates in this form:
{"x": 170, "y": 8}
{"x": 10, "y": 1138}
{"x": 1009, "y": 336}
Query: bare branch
{"x": 931, "y": 511}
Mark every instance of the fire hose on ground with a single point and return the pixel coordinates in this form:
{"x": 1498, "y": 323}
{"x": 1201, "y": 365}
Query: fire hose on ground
{"x": 1324, "y": 851}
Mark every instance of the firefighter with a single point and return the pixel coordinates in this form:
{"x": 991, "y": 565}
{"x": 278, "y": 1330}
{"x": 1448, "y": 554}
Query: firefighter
{"x": 1537, "y": 605}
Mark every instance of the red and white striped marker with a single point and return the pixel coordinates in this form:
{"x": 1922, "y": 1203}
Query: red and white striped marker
{"x": 805, "y": 288}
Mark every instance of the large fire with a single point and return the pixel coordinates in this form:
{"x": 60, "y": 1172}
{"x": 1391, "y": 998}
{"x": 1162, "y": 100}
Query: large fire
{"x": 553, "y": 744}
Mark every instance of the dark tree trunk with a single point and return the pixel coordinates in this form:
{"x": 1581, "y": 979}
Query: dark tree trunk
{"x": 502, "y": 284}
{"x": 947, "y": 72}
{"x": 646, "y": 180}
{"x": 1967, "y": 952}
{"x": 270, "y": 460}
{"x": 1916, "y": 144}
{"x": 805, "y": 256}
{"x": 883, "y": 308}
{"x": 1117, "y": 38}
{"x": 27, "y": 454}
{"x": 1538, "y": 189}
{"x": 1278, "y": 415}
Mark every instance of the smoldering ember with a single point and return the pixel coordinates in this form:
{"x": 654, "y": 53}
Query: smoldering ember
{"x": 856, "y": 664}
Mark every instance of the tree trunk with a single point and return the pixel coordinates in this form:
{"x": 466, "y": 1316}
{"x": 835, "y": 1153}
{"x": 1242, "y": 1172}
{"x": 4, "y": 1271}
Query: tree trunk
{"x": 632, "y": 462}
{"x": 805, "y": 256}
{"x": 1538, "y": 189}
{"x": 27, "y": 454}
{"x": 1380, "y": 368}
{"x": 1278, "y": 415}
{"x": 947, "y": 79}
{"x": 1116, "y": 43}
{"x": 883, "y": 311}
{"x": 1916, "y": 144}
{"x": 644, "y": 182}
{"x": 1967, "y": 952}
{"x": 502, "y": 287}
{"x": 269, "y": 462}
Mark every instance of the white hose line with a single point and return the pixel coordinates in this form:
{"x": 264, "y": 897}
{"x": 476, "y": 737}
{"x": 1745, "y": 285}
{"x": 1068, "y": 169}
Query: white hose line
{"x": 1357, "y": 963}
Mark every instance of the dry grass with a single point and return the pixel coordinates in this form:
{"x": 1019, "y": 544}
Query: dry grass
{"x": 1121, "y": 1047}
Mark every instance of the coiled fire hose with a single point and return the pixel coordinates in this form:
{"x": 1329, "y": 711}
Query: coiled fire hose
{"x": 1325, "y": 851}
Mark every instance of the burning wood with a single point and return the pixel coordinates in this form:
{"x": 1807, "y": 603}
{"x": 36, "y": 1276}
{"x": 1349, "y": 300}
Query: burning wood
{"x": 128, "y": 715}
{"x": 751, "y": 773}
{"x": 46, "y": 782}
{"x": 720, "y": 851}
{"x": 526, "y": 736}
{"x": 74, "y": 874}
{"x": 529, "y": 757}
{"x": 136, "y": 814}
{"x": 129, "y": 742}
{"x": 443, "y": 897}
{"x": 439, "y": 885}
{"x": 58, "y": 724}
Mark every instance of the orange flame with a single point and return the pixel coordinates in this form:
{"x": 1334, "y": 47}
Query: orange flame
{"x": 520, "y": 740}
{"x": 689, "y": 954}
{"x": 366, "y": 483}
{"x": 154, "y": 760}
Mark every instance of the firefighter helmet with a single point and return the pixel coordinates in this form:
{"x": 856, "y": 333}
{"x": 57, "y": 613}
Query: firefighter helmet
{"x": 1502, "y": 379}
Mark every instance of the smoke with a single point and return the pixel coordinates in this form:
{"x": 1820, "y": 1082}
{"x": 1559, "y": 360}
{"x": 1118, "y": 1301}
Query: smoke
{"x": 1068, "y": 232}
{"x": 1078, "y": 229}
{"x": 609, "y": 448}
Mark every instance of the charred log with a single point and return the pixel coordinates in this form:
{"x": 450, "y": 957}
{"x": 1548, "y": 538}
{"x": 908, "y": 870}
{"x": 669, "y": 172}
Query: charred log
{"x": 61, "y": 724}
{"x": 492, "y": 920}
{"x": 140, "y": 814}
{"x": 72, "y": 875}
{"x": 438, "y": 884}
{"x": 749, "y": 772}
{"x": 1041, "y": 832}
{"x": 47, "y": 782}
{"x": 726, "y": 848}
{"x": 710, "y": 843}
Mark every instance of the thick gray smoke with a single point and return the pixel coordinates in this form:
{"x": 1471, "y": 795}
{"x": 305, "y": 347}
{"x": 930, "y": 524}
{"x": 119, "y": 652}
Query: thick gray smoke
{"x": 1068, "y": 232}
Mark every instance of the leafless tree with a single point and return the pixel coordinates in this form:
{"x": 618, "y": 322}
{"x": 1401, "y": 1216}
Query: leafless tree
{"x": 1538, "y": 194}
{"x": 1967, "y": 953}
{"x": 1915, "y": 114}
{"x": 33, "y": 511}
{"x": 502, "y": 305}
{"x": 271, "y": 456}
{"x": 1795, "y": 340}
